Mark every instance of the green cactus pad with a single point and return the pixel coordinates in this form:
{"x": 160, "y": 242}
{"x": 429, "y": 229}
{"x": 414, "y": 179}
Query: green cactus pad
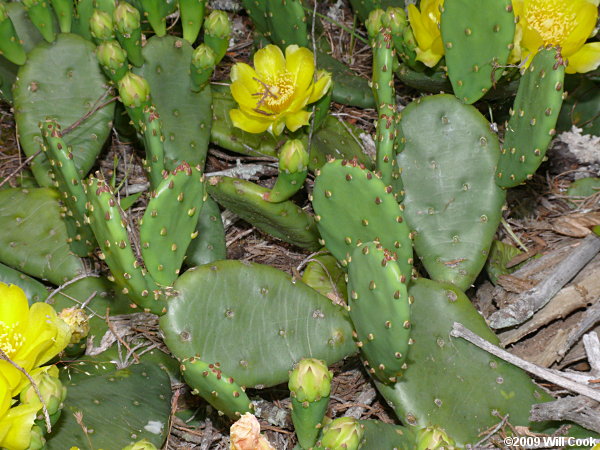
{"x": 324, "y": 275}
{"x": 452, "y": 201}
{"x": 26, "y": 30}
{"x": 353, "y": 207}
{"x": 380, "y": 435}
{"x": 34, "y": 236}
{"x": 379, "y": 307}
{"x": 286, "y": 22}
{"x": 118, "y": 407}
{"x": 186, "y": 116}
{"x": 254, "y": 320}
{"x": 68, "y": 182}
{"x": 284, "y": 220}
{"x": 445, "y": 374}
{"x": 10, "y": 47}
{"x": 64, "y": 13}
{"x": 533, "y": 121}
{"x": 110, "y": 229}
{"x": 34, "y": 290}
{"x": 192, "y": 16}
{"x": 169, "y": 222}
{"x": 62, "y": 81}
{"x": 500, "y": 255}
{"x": 348, "y": 88}
{"x": 41, "y": 15}
{"x": 216, "y": 387}
{"x": 477, "y": 43}
{"x": 209, "y": 245}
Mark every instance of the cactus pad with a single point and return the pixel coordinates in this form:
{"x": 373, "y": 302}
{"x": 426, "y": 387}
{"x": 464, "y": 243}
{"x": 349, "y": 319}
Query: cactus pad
{"x": 284, "y": 220}
{"x": 63, "y": 81}
{"x": 380, "y": 311}
{"x": 534, "y": 115}
{"x": 445, "y": 374}
{"x": 34, "y": 237}
{"x": 353, "y": 207}
{"x": 452, "y": 201}
{"x": 254, "y": 320}
{"x": 186, "y": 116}
{"x": 477, "y": 41}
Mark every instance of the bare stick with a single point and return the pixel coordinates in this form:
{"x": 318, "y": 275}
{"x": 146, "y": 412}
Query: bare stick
{"x": 68, "y": 283}
{"x": 532, "y": 300}
{"x": 5, "y": 357}
{"x": 577, "y": 409}
{"x": 459, "y": 330}
{"x": 18, "y": 169}
{"x": 590, "y": 317}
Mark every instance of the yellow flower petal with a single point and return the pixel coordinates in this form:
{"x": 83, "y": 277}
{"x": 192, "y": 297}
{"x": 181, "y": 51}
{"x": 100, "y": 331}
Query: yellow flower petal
{"x": 321, "y": 86}
{"x": 15, "y": 426}
{"x": 587, "y": 15}
{"x": 243, "y": 96}
{"x": 46, "y": 336}
{"x": 586, "y": 59}
{"x": 418, "y": 27}
{"x": 15, "y": 379}
{"x": 428, "y": 57}
{"x": 248, "y": 123}
{"x": 300, "y": 63}
{"x": 13, "y": 305}
{"x": 269, "y": 61}
{"x": 244, "y": 73}
{"x": 297, "y": 120}
{"x": 276, "y": 128}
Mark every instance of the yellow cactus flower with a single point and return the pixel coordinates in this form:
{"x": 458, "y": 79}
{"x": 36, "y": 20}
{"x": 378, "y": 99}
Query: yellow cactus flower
{"x": 16, "y": 421}
{"x": 425, "y": 25}
{"x": 274, "y": 93}
{"x": 563, "y": 23}
{"x": 28, "y": 336}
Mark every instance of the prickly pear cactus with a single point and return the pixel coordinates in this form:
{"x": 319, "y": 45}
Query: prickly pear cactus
{"x": 441, "y": 369}
{"x": 256, "y": 308}
{"x": 353, "y": 206}
{"x": 325, "y": 275}
{"x": 63, "y": 81}
{"x": 379, "y": 435}
{"x": 477, "y": 43}
{"x": 286, "y": 22}
{"x": 533, "y": 118}
{"x": 36, "y": 212}
{"x": 284, "y": 220}
{"x": 34, "y": 290}
{"x": 186, "y": 116}
{"x": 452, "y": 202}
{"x": 209, "y": 244}
{"x": 169, "y": 222}
{"x": 117, "y": 407}
{"x": 379, "y": 307}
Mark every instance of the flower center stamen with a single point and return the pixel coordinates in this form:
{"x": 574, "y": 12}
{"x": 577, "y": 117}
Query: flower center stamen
{"x": 10, "y": 340}
{"x": 276, "y": 94}
{"x": 551, "y": 19}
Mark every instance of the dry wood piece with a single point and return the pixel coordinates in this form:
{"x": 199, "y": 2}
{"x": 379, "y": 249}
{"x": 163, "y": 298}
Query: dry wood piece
{"x": 582, "y": 291}
{"x": 459, "y": 330}
{"x": 532, "y": 300}
{"x": 578, "y": 409}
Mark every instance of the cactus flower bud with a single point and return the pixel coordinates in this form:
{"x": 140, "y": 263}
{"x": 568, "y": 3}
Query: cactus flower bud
{"x": 395, "y": 19}
{"x": 375, "y": 22}
{"x": 343, "y": 433}
{"x": 310, "y": 380}
{"x": 245, "y": 435}
{"x": 433, "y": 438}
{"x": 293, "y": 157}
{"x": 113, "y": 59}
{"x": 78, "y": 322}
{"x": 37, "y": 441}
{"x": 49, "y": 385}
{"x": 203, "y": 57}
{"x": 134, "y": 90}
{"x": 204, "y": 61}
{"x": 101, "y": 25}
{"x": 144, "y": 444}
{"x": 218, "y": 24}
{"x": 126, "y": 18}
